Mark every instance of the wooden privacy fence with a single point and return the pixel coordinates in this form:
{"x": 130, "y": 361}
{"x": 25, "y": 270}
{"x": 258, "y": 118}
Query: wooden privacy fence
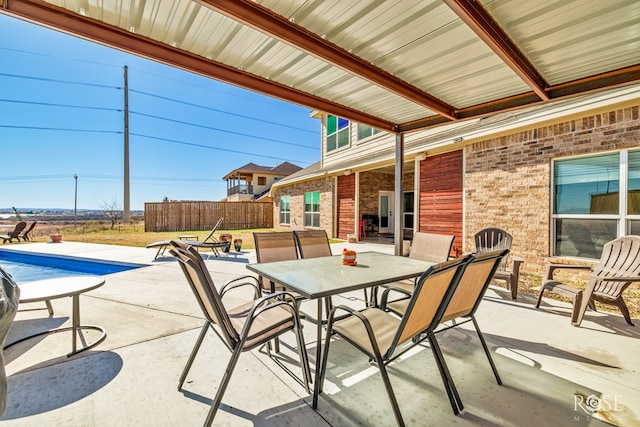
{"x": 184, "y": 216}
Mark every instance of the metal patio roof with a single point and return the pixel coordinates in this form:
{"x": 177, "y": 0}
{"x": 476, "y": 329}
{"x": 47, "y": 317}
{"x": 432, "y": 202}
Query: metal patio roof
{"x": 397, "y": 65}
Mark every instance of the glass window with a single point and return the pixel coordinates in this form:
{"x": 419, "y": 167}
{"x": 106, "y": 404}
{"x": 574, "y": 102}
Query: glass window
{"x": 408, "y": 210}
{"x": 587, "y": 185}
{"x": 262, "y": 180}
{"x": 285, "y": 210}
{"x": 588, "y": 210}
{"x": 337, "y": 133}
{"x": 312, "y": 209}
{"x": 366, "y": 131}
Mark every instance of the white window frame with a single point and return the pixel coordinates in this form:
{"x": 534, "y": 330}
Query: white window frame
{"x": 282, "y": 212}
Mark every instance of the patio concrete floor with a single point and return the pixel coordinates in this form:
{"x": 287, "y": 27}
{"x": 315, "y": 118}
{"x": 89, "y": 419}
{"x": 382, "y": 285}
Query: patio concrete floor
{"x": 549, "y": 368}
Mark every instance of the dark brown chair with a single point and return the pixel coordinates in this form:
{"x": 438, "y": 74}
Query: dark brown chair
{"x": 383, "y": 337}
{"x": 496, "y": 239}
{"x": 619, "y": 266}
{"x": 25, "y": 234}
{"x": 242, "y": 328}
{"x": 15, "y": 234}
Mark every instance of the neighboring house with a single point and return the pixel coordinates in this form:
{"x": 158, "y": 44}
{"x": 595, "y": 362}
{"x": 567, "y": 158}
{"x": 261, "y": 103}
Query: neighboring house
{"x": 550, "y": 175}
{"x": 251, "y": 182}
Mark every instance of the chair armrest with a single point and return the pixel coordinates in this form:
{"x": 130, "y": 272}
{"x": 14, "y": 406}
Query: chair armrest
{"x": 617, "y": 279}
{"x": 552, "y": 267}
{"x": 235, "y": 283}
{"x": 385, "y": 295}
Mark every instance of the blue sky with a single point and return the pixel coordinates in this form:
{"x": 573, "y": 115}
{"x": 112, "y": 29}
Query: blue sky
{"x": 62, "y": 103}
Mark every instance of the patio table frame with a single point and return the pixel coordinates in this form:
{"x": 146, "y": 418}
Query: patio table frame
{"x": 323, "y": 277}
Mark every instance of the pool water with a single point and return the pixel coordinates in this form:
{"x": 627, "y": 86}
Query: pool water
{"x": 25, "y": 267}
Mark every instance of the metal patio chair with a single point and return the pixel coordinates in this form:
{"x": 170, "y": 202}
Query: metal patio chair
{"x": 465, "y": 300}
{"x": 383, "y": 337}
{"x": 242, "y": 328}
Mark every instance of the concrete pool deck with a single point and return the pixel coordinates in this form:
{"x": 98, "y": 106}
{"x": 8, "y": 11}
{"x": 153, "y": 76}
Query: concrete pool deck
{"x": 549, "y": 368}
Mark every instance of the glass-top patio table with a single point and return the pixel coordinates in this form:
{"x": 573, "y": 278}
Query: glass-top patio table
{"x": 318, "y": 278}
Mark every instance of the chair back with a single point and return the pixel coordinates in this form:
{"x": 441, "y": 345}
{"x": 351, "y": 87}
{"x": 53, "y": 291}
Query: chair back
{"x": 204, "y": 289}
{"x": 17, "y": 230}
{"x": 274, "y": 246}
{"x": 429, "y": 300}
{"x": 494, "y": 239}
{"x": 620, "y": 258}
{"x": 312, "y": 243}
{"x": 210, "y": 238}
{"x": 28, "y": 230}
{"x": 473, "y": 284}
{"x": 431, "y": 247}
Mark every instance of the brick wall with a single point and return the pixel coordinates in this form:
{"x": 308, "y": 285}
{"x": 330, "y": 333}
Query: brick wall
{"x": 507, "y": 179}
{"x": 297, "y": 191}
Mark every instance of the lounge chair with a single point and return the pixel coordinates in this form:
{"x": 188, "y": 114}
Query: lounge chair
{"x": 25, "y": 234}
{"x": 243, "y": 328}
{"x": 209, "y": 242}
{"x": 383, "y": 337}
{"x": 619, "y": 266}
{"x": 495, "y": 239}
{"x": 465, "y": 300}
{"x": 15, "y": 234}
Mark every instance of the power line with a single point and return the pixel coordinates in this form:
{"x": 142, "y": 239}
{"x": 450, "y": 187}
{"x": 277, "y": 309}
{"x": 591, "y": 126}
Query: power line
{"x": 51, "y": 104}
{"x": 60, "y": 129}
{"x": 222, "y": 130}
{"x": 222, "y": 111}
{"x": 59, "y": 81}
{"x": 191, "y": 144}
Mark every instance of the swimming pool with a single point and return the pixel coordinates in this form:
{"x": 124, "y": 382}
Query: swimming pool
{"x": 25, "y": 267}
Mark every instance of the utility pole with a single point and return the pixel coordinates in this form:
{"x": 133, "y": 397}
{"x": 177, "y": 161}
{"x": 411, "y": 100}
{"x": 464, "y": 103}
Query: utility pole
{"x": 75, "y": 203}
{"x": 126, "y": 215}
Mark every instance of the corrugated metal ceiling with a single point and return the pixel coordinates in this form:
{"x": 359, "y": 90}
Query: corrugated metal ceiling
{"x": 397, "y": 65}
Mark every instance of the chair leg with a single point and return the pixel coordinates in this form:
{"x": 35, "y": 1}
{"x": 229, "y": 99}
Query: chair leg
{"x": 513, "y": 285}
{"x": 389, "y": 389}
{"x": 623, "y": 308}
{"x": 223, "y": 384}
{"x": 542, "y": 289}
{"x": 192, "y": 356}
{"x": 449, "y": 386}
{"x": 486, "y": 350}
{"x": 302, "y": 354}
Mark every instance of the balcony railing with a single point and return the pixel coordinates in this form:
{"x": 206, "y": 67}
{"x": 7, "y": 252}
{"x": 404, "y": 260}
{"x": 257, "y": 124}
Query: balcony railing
{"x": 240, "y": 189}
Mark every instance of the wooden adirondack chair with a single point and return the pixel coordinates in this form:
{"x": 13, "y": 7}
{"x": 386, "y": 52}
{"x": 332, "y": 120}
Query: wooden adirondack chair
{"x": 14, "y": 234}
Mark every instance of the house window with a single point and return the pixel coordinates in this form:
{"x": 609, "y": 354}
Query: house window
{"x": 337, "y": 133}
{"x": 262, "y": 180}
{"x": 366, "y": 131}
{"x": 407, "y": 214}
{"x": 312, "y": 209}
{"x": 595, "y": 200}
{"x": 285, "y": 210}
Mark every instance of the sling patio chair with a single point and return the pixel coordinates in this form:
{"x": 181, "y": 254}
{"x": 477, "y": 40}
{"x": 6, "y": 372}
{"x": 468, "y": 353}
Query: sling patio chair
{"x": 275, "y": 246}
{"x": 384, "y": 337}
{"x": 465, "y": 300}
{"x": 25, "y": 234}
{"x": 619, "y": 266}
{"x": 426, "y": 247}
{"x": 14, "y": 234}
{"x": 313, "y": 244}
{"x": 495, "y": 239}
{"x": 210, "y": 242}
{"x": 242, "y": 328}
